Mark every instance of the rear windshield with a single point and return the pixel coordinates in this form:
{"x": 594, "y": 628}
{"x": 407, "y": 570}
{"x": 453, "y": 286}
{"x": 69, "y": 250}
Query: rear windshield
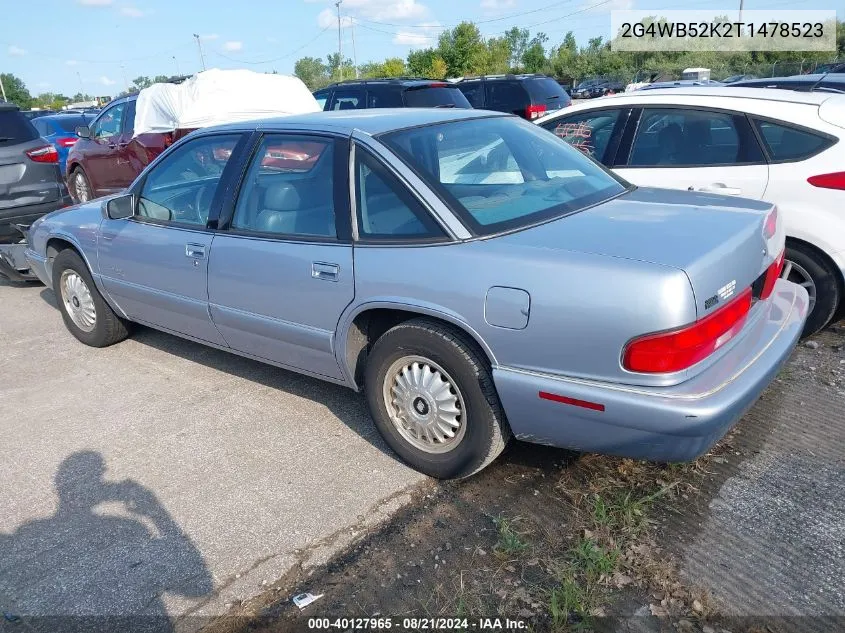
{"x": 544, "y": 90}
{"x": 69, "y": 122}
{"x": 502, "y": 173}
{"x": 15, "y": 128}
{"x": 436, "y": 97}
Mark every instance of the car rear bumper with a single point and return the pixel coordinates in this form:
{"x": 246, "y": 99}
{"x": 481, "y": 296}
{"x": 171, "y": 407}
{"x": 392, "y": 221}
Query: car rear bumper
{"x": 27, "y": 215}
{"x": 668, "y": 424}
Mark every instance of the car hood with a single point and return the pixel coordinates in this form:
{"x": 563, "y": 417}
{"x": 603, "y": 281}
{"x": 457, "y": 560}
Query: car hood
{"x": 716, "y": 240}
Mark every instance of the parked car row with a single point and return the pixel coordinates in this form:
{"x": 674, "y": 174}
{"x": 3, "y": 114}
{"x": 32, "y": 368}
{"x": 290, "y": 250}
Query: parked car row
{"x": 779, "y": 146}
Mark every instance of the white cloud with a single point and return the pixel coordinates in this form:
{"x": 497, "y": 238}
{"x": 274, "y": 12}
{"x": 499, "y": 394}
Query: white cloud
{"x": 233, "y": 45}
{"x": 16, "y": 51}
{"x": 106, "y": 81}
{"x": 377, "y": 10}
{"x": 328, "y": 17}
{"x": 95, "y": 3}
{"x": 43, "y": 84}
{"x": 71, "y": 62}
{"x": 209, "y": 36}
{"x": 422, "y": 37}
{"x": 132, "y": 12}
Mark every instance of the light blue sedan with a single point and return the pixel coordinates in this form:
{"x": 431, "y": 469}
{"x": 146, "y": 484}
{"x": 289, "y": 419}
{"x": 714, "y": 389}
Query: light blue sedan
{"x": 475, "y": 276}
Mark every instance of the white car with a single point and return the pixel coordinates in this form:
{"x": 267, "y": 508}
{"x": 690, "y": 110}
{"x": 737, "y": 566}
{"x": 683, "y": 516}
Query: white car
{"x": 781, "y": 146}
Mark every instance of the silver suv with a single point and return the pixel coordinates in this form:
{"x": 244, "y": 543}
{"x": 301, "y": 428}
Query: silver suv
{"x": 30, "y": 184}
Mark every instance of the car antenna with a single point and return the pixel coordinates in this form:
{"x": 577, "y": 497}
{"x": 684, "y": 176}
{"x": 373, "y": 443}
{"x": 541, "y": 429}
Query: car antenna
{"x": 821, "y": 79}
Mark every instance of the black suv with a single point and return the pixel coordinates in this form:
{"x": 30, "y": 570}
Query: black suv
{"x": 529, "y": 96}
{"x": 359, "y": 94}
{"x": 30, "y": 182}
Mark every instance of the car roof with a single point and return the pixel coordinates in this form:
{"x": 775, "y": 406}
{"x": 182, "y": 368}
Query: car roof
{"x": 506, "y": 76}
{"x": 798, "y": 79}
{"x": 372, "y": 121}
{"x": 5, "y": 106}
{"x": 401, "y": 81}
{"x": 773, "y": 94}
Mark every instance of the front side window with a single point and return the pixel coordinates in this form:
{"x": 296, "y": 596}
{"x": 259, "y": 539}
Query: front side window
{"x": 289, "y": 188}
{"x": 501, "y": 173}
{"x": 692, "y": 138}
{"x": 109, "y": 123}
{"x": 386, "y": 209}
{"x": 181, "y": 187}
{"x": 589, "y": 132}
{"x": 787, "y": 143}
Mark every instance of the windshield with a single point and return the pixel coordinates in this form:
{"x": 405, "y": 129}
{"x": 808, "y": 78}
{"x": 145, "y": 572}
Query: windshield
{"x": 436, "y": 96}
{"x": 502, "y": 173}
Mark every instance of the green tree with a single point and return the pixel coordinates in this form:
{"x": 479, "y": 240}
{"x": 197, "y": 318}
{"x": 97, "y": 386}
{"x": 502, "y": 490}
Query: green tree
{"x": 312, "y": 71}
{"x": 463, "y": 49}
{"x": 139, "y": 83}
{"x": 498, "y": 55}
{"x": 517, "y": 42}
{"x": 16, "y": 91}
{"x": 420, "y": 62}
{"x": 339, "y": 71}
{"x": 534, "y": 58}
{"x": 394, "y": 67}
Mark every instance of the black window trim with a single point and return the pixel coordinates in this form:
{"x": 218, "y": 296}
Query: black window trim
{"x": 623, "y": 158}
{"x": 342, "y": 206}
{"x": 616, "y": 135}
{"x": 411, "y": 199}
{"x": 753, "y": 118}
{"x": 223, "y": 185}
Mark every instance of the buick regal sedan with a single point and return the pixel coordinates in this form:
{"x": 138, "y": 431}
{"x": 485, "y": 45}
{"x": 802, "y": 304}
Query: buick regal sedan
{"x": 475, "y": 276}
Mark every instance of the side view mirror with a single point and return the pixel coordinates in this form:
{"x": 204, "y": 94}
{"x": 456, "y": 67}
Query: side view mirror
{"x": 120, "y": 208}
{"x": 83, "y": 131}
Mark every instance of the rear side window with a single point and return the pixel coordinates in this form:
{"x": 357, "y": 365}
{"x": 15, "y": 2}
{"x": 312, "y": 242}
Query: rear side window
{"x": 546, "y": 91}
{"x": 346, "y": 99}
{"x": 474, "y": 92}
{"x": 435, "y": 97}
{"x": 589, "y": 132}
{"x": 384, "y": 97}
{"x": 786, "y": 143}
{"x": 15, "y": 128}
{"x": 506, "y": 96}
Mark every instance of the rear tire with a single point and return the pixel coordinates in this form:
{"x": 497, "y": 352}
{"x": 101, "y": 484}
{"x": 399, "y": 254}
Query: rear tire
{"x": 420, "y": 373}
{"x": 812, "y": 270}
{"x": 79, "y": 186}
{"x": 85, "y": 313}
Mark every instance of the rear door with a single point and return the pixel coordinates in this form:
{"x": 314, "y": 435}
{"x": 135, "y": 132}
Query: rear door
{"x": 597, "y": 133}
{"x": 697, "y": 149}
{"x": 280, "y": 272}
{"x": 23, "y": 181}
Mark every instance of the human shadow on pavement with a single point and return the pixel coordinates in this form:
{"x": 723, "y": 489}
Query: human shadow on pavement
{"x": 102, "y": 561}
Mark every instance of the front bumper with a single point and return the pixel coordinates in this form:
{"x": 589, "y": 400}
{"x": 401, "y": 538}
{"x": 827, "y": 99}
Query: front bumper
{"x": 667, "y": 424}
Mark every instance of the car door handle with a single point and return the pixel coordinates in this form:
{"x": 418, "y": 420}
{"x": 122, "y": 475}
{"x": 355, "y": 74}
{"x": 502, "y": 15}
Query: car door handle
{"x": 329, "y": 272}
{"x": 718, "y": 187}
{"x": 195, "y": 251}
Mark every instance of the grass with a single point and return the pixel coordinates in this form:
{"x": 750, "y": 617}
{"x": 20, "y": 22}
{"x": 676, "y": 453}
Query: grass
{"x": 510, "y": 541}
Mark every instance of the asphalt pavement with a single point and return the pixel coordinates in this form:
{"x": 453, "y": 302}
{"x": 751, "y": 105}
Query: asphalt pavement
{"x": 162, "y": 477}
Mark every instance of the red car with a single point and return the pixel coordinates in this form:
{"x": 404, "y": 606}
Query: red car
{"x": 106, "y": 159}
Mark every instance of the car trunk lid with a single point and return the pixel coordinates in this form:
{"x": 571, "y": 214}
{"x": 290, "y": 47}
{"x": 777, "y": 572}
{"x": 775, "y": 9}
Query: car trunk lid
{"x": 718, "y": 241}
{"x": 23, "y": 182}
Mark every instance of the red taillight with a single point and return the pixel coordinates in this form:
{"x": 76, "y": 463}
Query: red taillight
{"x": 534, "y": 112}
{"x": 771, "y": 225}
{"x": 46, "y": 154}
{"x": 835, "y": 180}
{"x": 772, "y": 275}
{"x": 672, "y": 351}
{"x": 69, "y": 141}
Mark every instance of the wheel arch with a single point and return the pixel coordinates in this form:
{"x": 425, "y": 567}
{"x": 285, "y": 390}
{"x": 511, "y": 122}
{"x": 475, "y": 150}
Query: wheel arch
{"x": 840, "y": 277}
{"x": 365, "y": 324}
{"x": 56, "y": 244}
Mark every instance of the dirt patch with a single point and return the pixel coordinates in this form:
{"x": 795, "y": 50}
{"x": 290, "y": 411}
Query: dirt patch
{"x": 558, "y": 540}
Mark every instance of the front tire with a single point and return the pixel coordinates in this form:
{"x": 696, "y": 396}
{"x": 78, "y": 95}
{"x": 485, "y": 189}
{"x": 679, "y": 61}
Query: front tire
{"x": 85, "y": 313}
{"x": 80, "y": 186}
{"x": 807, "y": 267}
{"x": 432, "y": 397}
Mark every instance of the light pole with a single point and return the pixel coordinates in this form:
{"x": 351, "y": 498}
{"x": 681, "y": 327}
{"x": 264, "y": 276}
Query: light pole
{"x": 339, "y": 43}
{"x": 81, "y": 85}
{"x": 199, "y": 44}
{"x": 176, "y": 61}
{"x": 2, "y": 89}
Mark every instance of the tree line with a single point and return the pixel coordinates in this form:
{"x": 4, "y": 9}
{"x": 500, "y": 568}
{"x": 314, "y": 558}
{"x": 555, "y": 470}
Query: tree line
{"x": 464, "y": 51}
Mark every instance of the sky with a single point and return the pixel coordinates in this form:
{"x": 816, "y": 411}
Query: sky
{"x": 99, "y": 46}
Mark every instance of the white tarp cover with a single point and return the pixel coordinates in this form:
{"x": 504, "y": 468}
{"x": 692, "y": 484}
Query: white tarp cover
{"x": 214, "y": 97}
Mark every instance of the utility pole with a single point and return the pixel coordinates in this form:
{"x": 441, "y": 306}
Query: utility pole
{"x": 2, "y": 89}
{"x": 199, "y": 44}
{"x": 740, "y": 10}
{"x": 354, "y": 53}
{"x": 81, "y": 85}
{"x": 339, "y": 42}
{"x": 176, "y": 61}
{"x": 123, "y": 73}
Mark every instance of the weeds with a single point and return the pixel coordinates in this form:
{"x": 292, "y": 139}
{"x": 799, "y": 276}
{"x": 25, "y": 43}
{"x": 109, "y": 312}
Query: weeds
{"x": 510, "y": 541}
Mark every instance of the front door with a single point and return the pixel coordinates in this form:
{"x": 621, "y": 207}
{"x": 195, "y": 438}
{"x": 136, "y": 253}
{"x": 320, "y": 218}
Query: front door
{"x": 281, "y": 275}
{"x": 125, "y": 171}
{"x": 101, "y": 152}
{"x": 155, "y": 265}
{"x": 697, "y": 150}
